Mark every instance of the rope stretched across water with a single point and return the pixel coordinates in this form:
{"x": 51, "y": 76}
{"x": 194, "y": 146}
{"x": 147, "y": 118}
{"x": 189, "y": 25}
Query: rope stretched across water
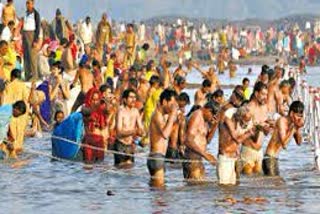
{"x": 135, "y": 155}
{"x": 126, "y": 173}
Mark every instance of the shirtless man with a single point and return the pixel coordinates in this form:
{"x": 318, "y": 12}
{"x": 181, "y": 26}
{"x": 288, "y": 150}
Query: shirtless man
{"x": 143, "y": 88}
{"x": 200, "y": 96}
{"x": 231, "y": 134}
{"x": 128, "y": 127}
{"x": 210, "y": 75}
{"x": 179, "y": 84}
{"x": 273, "y": 85}
{"x": 201, "y": 127}
{"x": 86, "y": 80}
{"x": 283, "y": 98}
{"x": 178, "y": 134}
{"x": 286, "y": 127}
{"x": 235, "y": 101}
{"x": 161, "y": 126}
{"x": 251, "y": 151}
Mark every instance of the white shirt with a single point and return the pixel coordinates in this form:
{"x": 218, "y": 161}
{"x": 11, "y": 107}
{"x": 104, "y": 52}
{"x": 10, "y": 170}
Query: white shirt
{"x": 1, "y": 8}
{"x": 230, "y": 112}
{"x": 86, "y": 33}
{"x": 6, "y": 34}
{"x": 29, "y": 22}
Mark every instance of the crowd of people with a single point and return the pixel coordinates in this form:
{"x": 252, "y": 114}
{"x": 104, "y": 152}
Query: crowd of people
{"x": 131, "y": 94}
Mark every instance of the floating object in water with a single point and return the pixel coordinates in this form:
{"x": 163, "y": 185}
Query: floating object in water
{"x": 70, "y": 130}
{"x": 110, "y": 193}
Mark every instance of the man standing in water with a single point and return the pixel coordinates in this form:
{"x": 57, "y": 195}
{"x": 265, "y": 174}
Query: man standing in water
{"x": 86, "y": 81}
{"x": 161, "y": 126}
{"x": 251, "y": 153}
{"x": 201, "y": 128}
{"x": 231, "y": 134}
{"x": 128, "y": 126}
{"x": 285, "y": 128}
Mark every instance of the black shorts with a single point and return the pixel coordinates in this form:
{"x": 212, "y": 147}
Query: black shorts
{"x": 155, "y": 164}
{"x": 270, "y": 166}
{"x": 172, "y": 154}
{"x": 122, "y": 148}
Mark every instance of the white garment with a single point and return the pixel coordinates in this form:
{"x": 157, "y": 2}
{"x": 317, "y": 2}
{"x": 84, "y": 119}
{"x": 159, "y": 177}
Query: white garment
{"x": 142, "y": 32}
{"x": 230, "y": 112}
{"x": 251, "y": 156}
{"x": 1, "y": 8}
{"x": 29, "y": 23}
{"x": 6, "y": 34}
{"x": 226, "y": 171}
{"x": 86, "y": 33}
{"x": 235, "y": 54}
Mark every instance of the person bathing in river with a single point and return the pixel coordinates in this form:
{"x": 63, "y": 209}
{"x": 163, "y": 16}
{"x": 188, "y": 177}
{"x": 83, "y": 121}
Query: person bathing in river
{"x": 286, "y": 127}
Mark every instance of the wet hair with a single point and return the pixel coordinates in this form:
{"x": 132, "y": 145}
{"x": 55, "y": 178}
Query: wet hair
{"x": 179, "y": 79}
{"x": 16, "y": 73}
{"x": 193, "y": 109}
{"x": 109, "y": 82}
{"x": 206, "y": 83}
{"x": 64, "y": 41}
{"x": 284, "y": 83}
{"x": 21, "y": 106}
{"x": 218, "y": 93}
{"x": 3, "y": 43}
{"x": 167, "y": 95}
{"x": 103, "y": 88}
{"x": 168, "y": 64}
{"x": 264, "y": 69}
{"x": 133, "y": 82}
{"x": 11, "y": 23}
{"x": 271, "y": 73}
{"x": 213, "y": 107}
{"x": 125, "y": 93}
{"x": 56, "y": 114}
{"x": 292, "y": 82}
{"x": 145, "y": 46}
{"x": 259, "y": 86}
{"x": 184, "y": 97}
{"x": 113, "y": 55}
{"x": 149, "y": 65}
{"x": 95, "y": 63}
{"x": 296, "y": 107}
{"x": 154, "y": 79}
{"x": 245, "y": 80}
{"x": 264, "y": 72}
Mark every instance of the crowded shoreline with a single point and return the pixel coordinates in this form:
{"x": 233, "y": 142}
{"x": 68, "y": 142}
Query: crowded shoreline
{"x": 109, "y": 90}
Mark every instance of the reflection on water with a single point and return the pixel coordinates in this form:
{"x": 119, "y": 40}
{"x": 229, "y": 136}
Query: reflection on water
{"x": 45, "y": 186}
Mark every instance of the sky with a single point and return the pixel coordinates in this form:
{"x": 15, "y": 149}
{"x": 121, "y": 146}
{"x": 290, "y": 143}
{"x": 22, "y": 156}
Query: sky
{"x": 143, "y": 9}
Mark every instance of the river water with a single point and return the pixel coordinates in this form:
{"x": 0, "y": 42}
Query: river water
{"x": 45, "y": 186}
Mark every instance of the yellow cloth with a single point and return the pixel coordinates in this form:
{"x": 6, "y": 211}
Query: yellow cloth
{"x": 223, "y": 39}
{"x": 110, "y": 69}
{"x": 246, "y": 93}
{"x": 150, "y": 106}
{"x": 16, "y": 91}
{"x": 130, "y": 41}
{"x": 148, "y": 75}
{"x": 9, "y": 62}
{"x": 58, "y": 55}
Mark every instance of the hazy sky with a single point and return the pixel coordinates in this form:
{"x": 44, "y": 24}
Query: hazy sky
{"x": 141, "y": 9}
